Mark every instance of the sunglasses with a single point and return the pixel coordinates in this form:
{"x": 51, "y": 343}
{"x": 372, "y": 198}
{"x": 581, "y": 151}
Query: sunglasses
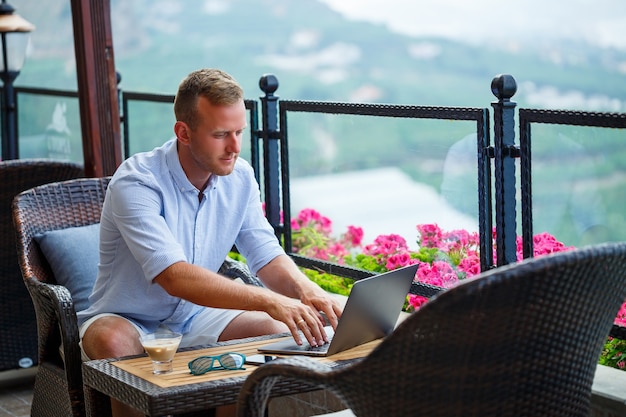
{"x": 230, "y": 361}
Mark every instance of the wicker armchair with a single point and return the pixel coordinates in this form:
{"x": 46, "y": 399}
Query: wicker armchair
{"x": 18, "y": 331}
{"x": 520, "y": 339}
{"x": 58, "y": 385}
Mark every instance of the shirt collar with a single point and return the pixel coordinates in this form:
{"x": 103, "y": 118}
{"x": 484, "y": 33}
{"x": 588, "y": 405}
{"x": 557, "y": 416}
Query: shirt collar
{"x": 176, "y": 169}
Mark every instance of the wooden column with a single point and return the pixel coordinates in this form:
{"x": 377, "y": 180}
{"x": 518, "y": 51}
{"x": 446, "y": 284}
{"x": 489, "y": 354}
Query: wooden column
{"x": 97, "y": 86}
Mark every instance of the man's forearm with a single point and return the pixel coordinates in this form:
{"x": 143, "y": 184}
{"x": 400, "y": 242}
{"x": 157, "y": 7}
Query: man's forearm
{"x": 203, "y": 287}
{"x": 283, "y": 276}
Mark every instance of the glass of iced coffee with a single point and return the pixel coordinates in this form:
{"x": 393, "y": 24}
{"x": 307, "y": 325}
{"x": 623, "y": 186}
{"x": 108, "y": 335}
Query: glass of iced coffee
{"x": 161, "y": 347}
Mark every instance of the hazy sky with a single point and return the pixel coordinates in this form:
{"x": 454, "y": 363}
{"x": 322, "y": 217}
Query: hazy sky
{"x": 602, "y": 22}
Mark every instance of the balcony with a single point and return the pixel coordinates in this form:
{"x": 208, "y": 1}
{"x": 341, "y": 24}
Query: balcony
{"x": 576, "y": 190}
{"x": 449, "y": 156}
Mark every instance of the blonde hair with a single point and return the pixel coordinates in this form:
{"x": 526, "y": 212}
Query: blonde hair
{"x": 217, "y": 86}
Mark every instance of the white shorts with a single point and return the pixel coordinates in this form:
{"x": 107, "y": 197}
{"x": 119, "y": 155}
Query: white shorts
{"x": 206, "y": 327}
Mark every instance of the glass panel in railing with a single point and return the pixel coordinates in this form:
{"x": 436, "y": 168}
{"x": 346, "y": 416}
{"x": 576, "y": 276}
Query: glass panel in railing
{"x": 49, "y": 127}
{"x": 385, "y": 175}
{"x": 149, "y": 125}
{"x": 578, "y": 183}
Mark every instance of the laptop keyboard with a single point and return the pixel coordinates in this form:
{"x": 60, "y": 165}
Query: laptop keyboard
{"x": 322, "y": 348}
{"x": 306, "y": 347}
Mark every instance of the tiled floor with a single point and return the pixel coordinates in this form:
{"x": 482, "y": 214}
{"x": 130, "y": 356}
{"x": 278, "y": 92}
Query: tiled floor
{"x": 16, "y": 392}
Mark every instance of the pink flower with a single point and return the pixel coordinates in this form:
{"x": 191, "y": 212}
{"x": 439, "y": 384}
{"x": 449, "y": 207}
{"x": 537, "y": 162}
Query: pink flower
{"x": 470, "y": 265}
{"x": 337, "y": 251}
{"x": 386, "y": 245}
{"x": 429, "y": 235}
{"x": 354, "y": 235}
{"x": 621, "y": 316}
{"x": 440, "y": 274}
{"x": 543, "y": 244}
{"x": 416, "y": 301}
{"x": 320, "y": 253}
{"x": 398, "y": 261}
{"x": 312, "y": 236}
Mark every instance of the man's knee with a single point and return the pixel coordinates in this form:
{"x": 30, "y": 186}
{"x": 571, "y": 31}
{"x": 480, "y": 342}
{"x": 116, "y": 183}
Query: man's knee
{"x": 111, "y": 337}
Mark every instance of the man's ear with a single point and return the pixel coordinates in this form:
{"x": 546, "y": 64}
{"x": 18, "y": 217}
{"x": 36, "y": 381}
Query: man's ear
{"x": 182, "y": 131}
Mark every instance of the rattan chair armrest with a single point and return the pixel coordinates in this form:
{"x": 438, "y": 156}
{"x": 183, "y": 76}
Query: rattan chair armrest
{"x": 57, "y": 326}
{"x": 234, "y": 269}
{"x": 296, "y": 370}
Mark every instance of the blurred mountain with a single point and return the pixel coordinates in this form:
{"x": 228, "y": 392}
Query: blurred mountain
{"x": 319, "y": 54}
{"x": 597, "y": 22}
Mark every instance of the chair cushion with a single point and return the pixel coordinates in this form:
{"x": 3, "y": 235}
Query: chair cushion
{"x": 73, "y": 255}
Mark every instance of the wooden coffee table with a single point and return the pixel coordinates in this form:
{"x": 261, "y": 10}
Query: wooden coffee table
{"x": 131, "y": 381}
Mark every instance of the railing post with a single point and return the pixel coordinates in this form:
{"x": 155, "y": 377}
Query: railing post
{"x": 504, "y": 87}
{"x": 10, "y": 138}
{"x": 271, "y": 163}
{"x": 123, "y": 107}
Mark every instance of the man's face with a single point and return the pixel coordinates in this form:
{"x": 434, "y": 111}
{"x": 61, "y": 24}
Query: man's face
{"x": 215, "y": 144}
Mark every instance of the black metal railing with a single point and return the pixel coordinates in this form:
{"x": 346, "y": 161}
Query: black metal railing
{"x": 270, "y": 158}
{"x": 477, "y": 115}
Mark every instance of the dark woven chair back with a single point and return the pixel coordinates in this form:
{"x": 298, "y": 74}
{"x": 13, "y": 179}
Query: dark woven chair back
{"x": 58, "y": 385}
{"x": 18, "y": 332}
{"x": 523, "y": 339}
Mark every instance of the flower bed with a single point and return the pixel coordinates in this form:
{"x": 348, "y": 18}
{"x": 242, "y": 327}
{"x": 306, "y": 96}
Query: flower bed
{"x": 445, "y": 257}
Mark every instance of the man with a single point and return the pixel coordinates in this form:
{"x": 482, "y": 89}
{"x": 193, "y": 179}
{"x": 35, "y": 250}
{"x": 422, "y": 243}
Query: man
{"x": 169, "y": 219}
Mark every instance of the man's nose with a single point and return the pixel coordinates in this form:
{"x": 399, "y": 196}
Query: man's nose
{"x": 234, "y": 143}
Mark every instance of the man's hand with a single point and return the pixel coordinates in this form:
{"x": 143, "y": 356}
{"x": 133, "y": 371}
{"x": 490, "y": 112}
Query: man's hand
{"x": 321, "y": 302}
{"x": 284, "y": 277}
{"x": 299, "y": 316}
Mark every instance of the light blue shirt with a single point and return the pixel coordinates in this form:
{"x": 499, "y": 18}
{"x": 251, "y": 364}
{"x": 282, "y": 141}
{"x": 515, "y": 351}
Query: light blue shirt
{"x": 152, "y": 218}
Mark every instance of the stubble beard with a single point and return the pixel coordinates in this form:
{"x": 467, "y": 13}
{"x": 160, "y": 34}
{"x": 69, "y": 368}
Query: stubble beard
{"x": 221, "y": 170}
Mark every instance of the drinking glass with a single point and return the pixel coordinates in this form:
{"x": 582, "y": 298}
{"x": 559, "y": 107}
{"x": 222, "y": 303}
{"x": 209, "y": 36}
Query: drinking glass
{"x": 161, "y": 347}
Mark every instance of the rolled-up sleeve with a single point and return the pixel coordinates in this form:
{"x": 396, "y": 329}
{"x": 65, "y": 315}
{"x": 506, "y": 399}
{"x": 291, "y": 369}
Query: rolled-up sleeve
{"x": 137, "y": 210}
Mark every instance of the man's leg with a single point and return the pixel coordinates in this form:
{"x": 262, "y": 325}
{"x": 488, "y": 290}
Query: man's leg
{"x": 111, "y": 337}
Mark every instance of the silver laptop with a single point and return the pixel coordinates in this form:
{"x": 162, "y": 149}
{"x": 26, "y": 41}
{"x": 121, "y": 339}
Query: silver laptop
{"x": 371, "y": 312}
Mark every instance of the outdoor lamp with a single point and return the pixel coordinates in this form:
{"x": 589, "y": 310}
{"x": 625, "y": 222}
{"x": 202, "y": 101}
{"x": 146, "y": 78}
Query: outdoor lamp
{"x": 15, "y": 33}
